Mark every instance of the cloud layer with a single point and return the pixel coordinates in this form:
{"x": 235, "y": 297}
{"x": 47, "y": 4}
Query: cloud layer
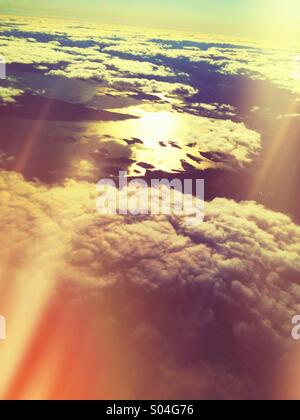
{"x": 229, "y": 284}
{"x": 99, "y": 54}
{"x": 9, "y": 94}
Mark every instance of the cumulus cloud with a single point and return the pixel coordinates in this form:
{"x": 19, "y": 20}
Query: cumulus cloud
{"x": 153, "y": 87}
{"x": 215, "y": 109}
{"x": 277, "y": 67}
{"x": 30, "y": 51}
{"x": 98, "y": 53}
{"x": 82, "y": 70}
{"x": 230, "y": 283}
{"x": 133, "y": 52}
{"x": 9, "y": 94}
{"x": 130, "y": 67}
{"x": 110, "y": 69}
{"x": 237, "y": 58}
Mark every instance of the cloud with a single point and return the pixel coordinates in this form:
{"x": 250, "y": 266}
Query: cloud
{"x": 275, "y": 66}
{"x": 281, "y": 67}
{"x": 98, "y": 53}
{"x": 228, "y": 286}
{"x": 9, "y": 94}
{"x": 215, "y": 108}
{"x": 82, "y": 70}
{"x": 29, "y": 51}
{"x": 153, "y": 87}
{"x": 109, "y": 69}
{"x": 130, "y": 67}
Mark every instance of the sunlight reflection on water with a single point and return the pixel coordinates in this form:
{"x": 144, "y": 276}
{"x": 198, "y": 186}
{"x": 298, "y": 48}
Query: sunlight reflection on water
{"x": 163, "y": 139}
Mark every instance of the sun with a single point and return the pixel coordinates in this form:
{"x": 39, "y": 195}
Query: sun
{"x": 158, "y": 126}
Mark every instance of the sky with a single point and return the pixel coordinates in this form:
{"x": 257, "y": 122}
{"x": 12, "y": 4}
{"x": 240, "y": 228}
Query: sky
{"x": 260, "y": 18}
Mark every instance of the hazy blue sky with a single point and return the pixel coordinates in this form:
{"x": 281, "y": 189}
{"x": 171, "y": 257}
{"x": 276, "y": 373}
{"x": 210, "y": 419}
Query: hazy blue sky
{"x": 236, "y": 17}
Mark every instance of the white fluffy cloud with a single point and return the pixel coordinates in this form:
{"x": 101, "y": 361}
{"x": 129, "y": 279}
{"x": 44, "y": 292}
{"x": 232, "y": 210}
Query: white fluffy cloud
{"x": 254, "y": 61}
{"x": 243, "y": 258}
{"x": 229, "y": 285}
{"x": 30, "y": 51}
{"x": 9, "y": 94}
{"x": 113, "y": 57}
{"x": 109, "y": 69}
{"x": 153, "y": 87}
